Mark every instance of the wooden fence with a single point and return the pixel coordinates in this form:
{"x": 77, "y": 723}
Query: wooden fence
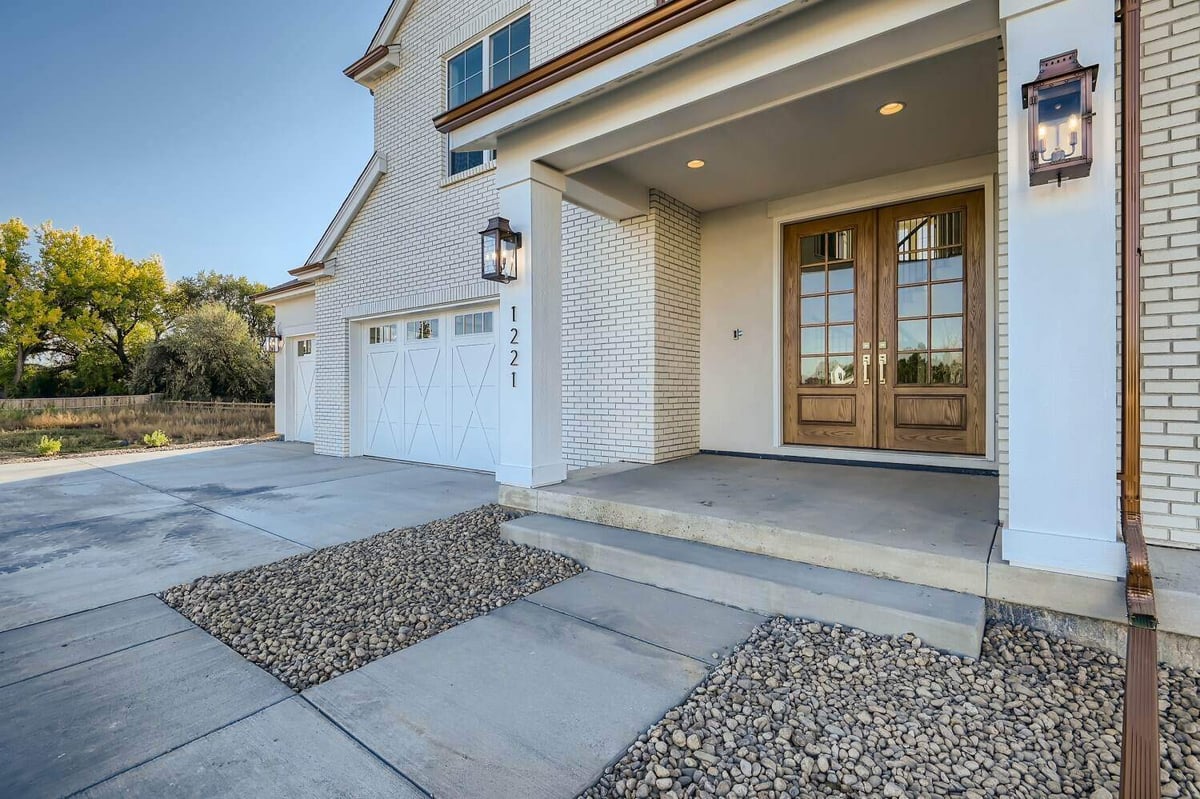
{"x": 220, "y": 405}
{"x": 75, "y": 403}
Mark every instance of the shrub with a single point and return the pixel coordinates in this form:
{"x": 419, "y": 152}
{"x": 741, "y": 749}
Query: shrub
{"x": 156, "y": 439}
{"x": 49, "y": 446}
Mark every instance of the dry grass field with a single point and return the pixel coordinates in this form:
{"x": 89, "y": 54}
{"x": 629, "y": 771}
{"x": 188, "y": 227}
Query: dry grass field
{"x": 89, "y": 430}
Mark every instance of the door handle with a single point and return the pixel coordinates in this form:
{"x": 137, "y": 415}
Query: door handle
{"x": 882, "y": 364}
{"x": 866, "y": 369}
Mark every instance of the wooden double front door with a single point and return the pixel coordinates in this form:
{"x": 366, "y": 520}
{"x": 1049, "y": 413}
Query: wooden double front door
{"x": 884, "y": 337}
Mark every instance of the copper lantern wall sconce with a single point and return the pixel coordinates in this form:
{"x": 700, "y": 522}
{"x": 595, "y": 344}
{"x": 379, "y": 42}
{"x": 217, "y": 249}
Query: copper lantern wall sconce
{"x": 1059, "y": 105}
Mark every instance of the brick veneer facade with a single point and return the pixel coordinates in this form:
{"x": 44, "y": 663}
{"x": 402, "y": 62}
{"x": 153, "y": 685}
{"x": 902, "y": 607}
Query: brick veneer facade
{"x": 630, "y": 290}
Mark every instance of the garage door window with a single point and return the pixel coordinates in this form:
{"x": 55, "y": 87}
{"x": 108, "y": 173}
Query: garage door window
{"x": 304, "y": 347}
{"x": 421, "y": 329}
{"x": 383, "y": 334}
{"x": 466, "y": 324}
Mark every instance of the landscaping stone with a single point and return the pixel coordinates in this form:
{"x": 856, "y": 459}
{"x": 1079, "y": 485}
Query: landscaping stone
{"x": 314, "y": 616}
{"x": 804, "y": 709}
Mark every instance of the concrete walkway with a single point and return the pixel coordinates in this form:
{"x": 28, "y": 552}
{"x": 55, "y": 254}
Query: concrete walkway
{"x": 532, "y": 700}
{"x": 536, "y": 698}
{"x": 79, "y": 533}
{"x": 133, "y": 700}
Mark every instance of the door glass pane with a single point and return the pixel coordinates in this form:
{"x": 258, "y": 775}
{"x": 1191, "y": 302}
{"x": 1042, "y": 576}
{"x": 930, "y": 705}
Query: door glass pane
{"x": 841, "y": 308}
{"x": 947, "y": 368}
{"x": 841, "y": 277}
{"x": 812, "y": 340}
{"x": 946, "y": 333}
{"x": 812, "y": 371}
{"x": 841, "y": 370}
{"x": 948, "y": 297}
{"x": 912, "y": 369}
{"x": 839, "y": 245}
{"x": 913, "y": 272}
{"x": 948, "y": 267}
{"x": 841, "y": 338}
{"x": 812, "y": 250}
{"x": 912, "y": 301}
{"x": 913, "y": 335}
{"x": 812, "y": 280}
{"x": 812, "y": 310}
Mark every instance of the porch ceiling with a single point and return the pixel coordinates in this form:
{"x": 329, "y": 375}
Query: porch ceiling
{"x": 831, "y": 138}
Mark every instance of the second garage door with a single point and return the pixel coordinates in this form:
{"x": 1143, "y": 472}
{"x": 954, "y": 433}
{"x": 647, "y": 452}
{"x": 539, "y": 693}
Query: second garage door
{"x": 430, "y": 388}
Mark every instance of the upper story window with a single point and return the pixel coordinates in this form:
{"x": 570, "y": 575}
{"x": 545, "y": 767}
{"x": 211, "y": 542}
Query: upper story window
{"x": 497, "y": 58}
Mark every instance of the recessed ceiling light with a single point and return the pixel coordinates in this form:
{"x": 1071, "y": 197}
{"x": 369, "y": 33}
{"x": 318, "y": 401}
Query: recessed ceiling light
{"x": 894, "y": 107}
{"x": 695, "y": 163}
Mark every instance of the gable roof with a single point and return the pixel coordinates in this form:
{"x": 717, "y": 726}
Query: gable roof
{"x": 349, "y": 209}
{"x": 389, "y": 26}
{"x": 381, "y": 46}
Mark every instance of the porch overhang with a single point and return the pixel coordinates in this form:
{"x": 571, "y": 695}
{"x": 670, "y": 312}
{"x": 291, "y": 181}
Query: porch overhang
{"x": 741, "y": 58}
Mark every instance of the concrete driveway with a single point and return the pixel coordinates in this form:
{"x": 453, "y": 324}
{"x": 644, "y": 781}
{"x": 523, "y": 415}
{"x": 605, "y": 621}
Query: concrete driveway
{"x": 77, "y": 534}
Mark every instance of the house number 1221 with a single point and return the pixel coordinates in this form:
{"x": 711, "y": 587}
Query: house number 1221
{"x": 513, "y": 342}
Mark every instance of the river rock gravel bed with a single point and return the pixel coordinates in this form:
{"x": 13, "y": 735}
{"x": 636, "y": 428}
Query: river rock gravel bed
{"x": 803, "y": 709}
{"x": 314, "y": 616}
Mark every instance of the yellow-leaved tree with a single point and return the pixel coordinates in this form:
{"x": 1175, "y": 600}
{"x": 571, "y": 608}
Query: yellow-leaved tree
{"x": 109, "y": 302}
{"x": 28, "y": 312}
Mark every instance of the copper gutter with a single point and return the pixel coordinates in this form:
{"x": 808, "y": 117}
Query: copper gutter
{"x": 655, "y": 22}
{"x": 368, "y": 60}
{"x": 1140, "y": 733}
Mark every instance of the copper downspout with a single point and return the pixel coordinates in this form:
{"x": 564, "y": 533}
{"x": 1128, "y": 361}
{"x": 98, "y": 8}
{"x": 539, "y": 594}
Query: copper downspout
{"x": 1140, "y": 737}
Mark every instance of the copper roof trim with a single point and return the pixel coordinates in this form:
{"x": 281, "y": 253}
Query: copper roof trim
{"x": 315, "y": 266}
{"x": 363, "y": 64}
{"x": 653, "y": 23}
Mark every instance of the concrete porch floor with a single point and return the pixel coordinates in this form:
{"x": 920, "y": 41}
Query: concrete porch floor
{"x": 930, "y": 528}
{"x": 933, "y": 529}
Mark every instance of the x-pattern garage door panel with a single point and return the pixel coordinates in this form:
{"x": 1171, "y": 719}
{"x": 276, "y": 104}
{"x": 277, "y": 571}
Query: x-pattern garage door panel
{"x": 384, "y": 405}
{"x": 425, "y": 403}
{"x": 474, "y": 428}
{"x": 432, "y": 399}
{"x": 302, "y": 395}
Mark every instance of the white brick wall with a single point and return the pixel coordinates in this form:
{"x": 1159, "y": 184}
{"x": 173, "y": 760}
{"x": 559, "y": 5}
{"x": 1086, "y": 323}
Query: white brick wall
{"x": 1171, "y": 271}
{"x": 414, "y": 240}
{"x": 1002, "y": 410}
{"x": 631, "y": 335}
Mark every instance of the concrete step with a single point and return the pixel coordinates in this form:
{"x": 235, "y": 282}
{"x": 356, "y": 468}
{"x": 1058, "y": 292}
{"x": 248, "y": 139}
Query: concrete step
{"x": 948, "y": 620}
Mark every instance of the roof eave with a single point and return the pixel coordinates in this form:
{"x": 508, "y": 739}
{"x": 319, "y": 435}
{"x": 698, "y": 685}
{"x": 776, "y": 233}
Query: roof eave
{"x": 375, "y": 65}
{"x": 640, "y": 29}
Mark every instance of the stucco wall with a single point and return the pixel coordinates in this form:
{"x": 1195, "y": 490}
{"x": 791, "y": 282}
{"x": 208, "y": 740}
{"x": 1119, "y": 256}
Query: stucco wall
{"x": 414, "y": 242}
{"x": 739, "y": 405}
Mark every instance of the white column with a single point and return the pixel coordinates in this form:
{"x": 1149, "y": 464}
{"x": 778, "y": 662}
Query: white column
{"x": 531, "y": 305}
{"x": 1062, "y": 297}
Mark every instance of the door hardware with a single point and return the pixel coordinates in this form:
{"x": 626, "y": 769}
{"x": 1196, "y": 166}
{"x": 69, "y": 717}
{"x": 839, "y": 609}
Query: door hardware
{"x": 866, "y": 368}
{"x": 882, "y": 364}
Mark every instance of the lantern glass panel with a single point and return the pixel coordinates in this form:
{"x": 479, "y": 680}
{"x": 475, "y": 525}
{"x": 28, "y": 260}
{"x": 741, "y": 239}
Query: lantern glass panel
{"x": 508, "y": 255}
{"x": 491, "y": 254}
{"x": 1059, "y": 118}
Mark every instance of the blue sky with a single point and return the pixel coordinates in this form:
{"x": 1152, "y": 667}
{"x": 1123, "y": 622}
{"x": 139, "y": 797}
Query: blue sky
{"x": 219, "y": 134}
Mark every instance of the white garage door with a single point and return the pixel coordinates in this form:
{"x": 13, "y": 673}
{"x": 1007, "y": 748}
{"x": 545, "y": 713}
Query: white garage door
{"x": 430, "y": 388}
{"x": 300, "y": 418}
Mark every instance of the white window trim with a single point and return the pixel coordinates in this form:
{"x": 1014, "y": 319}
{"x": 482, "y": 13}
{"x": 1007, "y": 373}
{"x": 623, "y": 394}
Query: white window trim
{"x": 484, "y": 36}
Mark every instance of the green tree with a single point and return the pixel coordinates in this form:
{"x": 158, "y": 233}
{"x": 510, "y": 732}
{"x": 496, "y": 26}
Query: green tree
{"x": 207, "y": 354}
{"x": 28, "y": 312}
{"x": 108, "y": 300}
{"x": 235, "y": 292}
